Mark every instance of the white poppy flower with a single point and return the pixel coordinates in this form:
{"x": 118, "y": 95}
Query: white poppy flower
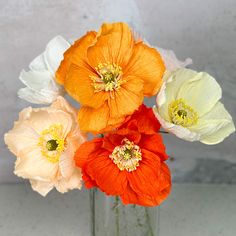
{"x": 39, "y": 81}
{"x": 188, "y": 106}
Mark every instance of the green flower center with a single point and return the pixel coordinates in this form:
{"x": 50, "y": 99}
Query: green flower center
{"x": 182, "y": 114}
{"x": 52, "y": 145}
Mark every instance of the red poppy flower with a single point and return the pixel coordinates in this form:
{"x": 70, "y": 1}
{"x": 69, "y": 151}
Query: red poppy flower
{"x": 128, "y": 162}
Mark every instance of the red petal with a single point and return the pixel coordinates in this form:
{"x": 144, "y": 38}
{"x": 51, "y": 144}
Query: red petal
{"x": 131, "y": 197}
{"x": 108, "y": 177}
{"x": 154, "y": 143}
{"x": 145, "y": 121}
{"x": 89, "y": 183}
{"x": 85, "y": 150}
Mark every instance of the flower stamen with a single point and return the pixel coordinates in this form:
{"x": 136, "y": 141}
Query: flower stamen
{"x": 108, "y": 79}
{"x": 182, "y": 114}
{"x": 51, "y": 143}
{"x": 127, "y": 155}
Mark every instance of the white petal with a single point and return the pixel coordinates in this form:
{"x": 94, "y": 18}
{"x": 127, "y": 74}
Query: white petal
{"x": 41, "y": 187}
{"x": 36, "y": 97}
{"x": 171, "y": 61}
{"x": 161, "y": 101}
{"x": 215, "y": 126}
{"x": 177, "y": 130}
{"x": 201, "y": 92}
{"x": 219, "y": 135}
{"x": 36, "y": 80}
{"x": 175, "y": 81}
{"x": 170, "y": 87}
{"x": 53, "y": 54}
{"x": 38, "y": 64}
{"x": 41, "y": 87}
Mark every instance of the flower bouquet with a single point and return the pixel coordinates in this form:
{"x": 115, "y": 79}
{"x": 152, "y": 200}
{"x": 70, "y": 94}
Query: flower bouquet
{"x": 109, "y": 73}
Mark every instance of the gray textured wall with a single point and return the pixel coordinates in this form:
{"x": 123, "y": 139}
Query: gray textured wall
{"x": 202, "y": 29}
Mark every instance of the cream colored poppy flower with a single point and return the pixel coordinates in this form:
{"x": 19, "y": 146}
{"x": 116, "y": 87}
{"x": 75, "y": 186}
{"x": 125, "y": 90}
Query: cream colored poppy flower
{"x": 188, "y": 106}
{"x": 41, "y": 87}
{"x": 44, "y": 141}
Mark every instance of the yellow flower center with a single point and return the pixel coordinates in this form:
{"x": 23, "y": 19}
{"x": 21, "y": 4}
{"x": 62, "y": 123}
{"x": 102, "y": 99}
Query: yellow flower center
{"x": 52, "y": 143}
{"x": 109, "y": 77}
{"x": 182, "y": 114}
{"x": 127, "y": 155}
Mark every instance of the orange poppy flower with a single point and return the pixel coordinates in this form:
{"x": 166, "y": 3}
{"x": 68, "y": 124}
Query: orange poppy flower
{"x": 109, "y": 73}
{"x": 128, "y": 162}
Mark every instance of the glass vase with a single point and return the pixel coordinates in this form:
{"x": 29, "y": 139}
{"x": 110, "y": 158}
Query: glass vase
{"x": 109, "y": 217}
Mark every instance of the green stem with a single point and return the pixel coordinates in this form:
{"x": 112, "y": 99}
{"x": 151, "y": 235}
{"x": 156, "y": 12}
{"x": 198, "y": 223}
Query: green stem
{"x": 92, "y": 211}
{"x": 149, "y": 222}
{"x": 117, "y": 216}
{"x": 163, "y": 132}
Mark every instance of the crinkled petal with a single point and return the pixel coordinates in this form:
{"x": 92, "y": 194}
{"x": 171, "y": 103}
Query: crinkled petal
{"x": 154, "y": 143}
{"x": 146, "y": 64}
{"x": 145, "y": 199}
{"x": 20, "y": 137}
{"x": 73, "y": 182}
{"x": 80, "y": 86}
{"x": 144, "y": 120}
{"x": 93, "y": 120}
{"x": 31, "y": 164}
{"x": 43, "y": 119}
{"x": 66, "y": 162}
{"x": 127, "y": 99}
{"x": 108, "y": 177}
{"x": 41, "y": 187}
{"x": 76, "y": 54}
{"x": 114, "y": 44}
{"x": 86, "y": 150}
{"x": 147, "y": 170}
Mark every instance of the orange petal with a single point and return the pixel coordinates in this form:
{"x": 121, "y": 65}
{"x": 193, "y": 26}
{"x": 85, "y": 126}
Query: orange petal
{"x": 127, "y": 99}
{"x": 75, "y": 54}
{"x": 113, "y": 123}
{"x": 93, "y": 120}
{"x": 107, "y": 176}
{"x": 79, "y": 85}
{"x": 146, "y": 63}
{"x": 114, "y": 44}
